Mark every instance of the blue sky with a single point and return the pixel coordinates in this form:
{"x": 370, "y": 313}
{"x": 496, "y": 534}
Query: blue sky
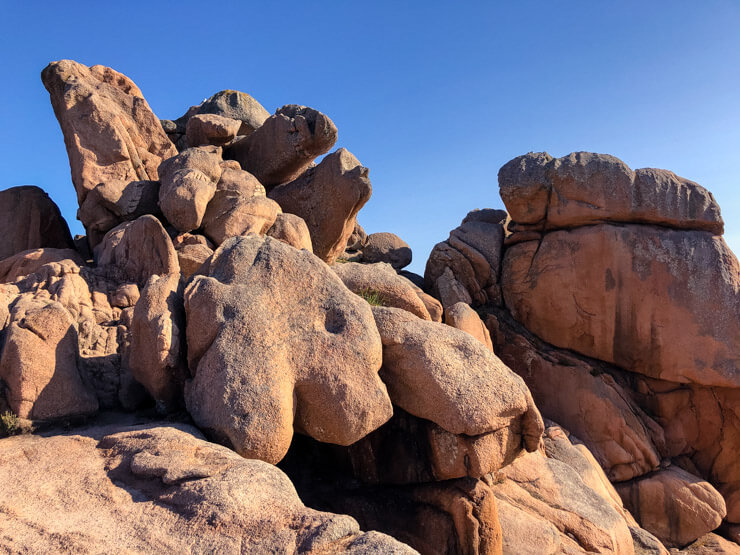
{"x": 433, "y": 97}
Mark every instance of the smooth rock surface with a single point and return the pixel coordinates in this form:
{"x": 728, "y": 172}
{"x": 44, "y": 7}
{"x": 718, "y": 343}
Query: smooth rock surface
{"x": 386, "y": 247}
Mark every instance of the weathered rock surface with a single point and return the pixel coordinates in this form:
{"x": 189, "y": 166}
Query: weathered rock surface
{"x": 24, "y": 263}
{"x": 675, "y": 506}
{"x": 466, "y": 267}
{"x": 386, "y": 247}
{"x": 291, "y": 230}
{"x": 583, "y": 188}
{"x": 159, "y": 488}
{"x": 597, "y": 409}
{"x": 274, "y": 337}
{"x": 211, "y": 129}
{"x": 327, "y": 197}
{"x": 710, "y": 543}
{"x": 113, "y": 202}
{"x": 380, "y": 279}
{"x": 238, "y": 215}
{"x": 157, "y": 356}
{"x": 442, "y": 374}
{"x": 284, "y": 146}
{"x": 409, "y": 450}
{"x": 616, "y": 293}
{"x": 545, "y": 507}
{"x": 137, "y": 250}
{"x": 29, "y": 219}
{"x": 464, "y": 318}
{"x": 188, "y": 184}
{"x": 702, "y": 429}
{"x": 109, "y": 130}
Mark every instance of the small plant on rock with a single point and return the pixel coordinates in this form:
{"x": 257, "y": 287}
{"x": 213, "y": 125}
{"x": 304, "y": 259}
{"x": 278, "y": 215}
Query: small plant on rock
{"x": 9, "y": 424}
{"x": 373, "y": 297}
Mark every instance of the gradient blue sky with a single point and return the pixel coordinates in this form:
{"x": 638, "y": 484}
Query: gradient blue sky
{"x": 432, "y": 96}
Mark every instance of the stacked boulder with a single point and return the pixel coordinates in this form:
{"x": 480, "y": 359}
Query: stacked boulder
{"x": 620, "y": 307}
{"x": 227, "y": 285}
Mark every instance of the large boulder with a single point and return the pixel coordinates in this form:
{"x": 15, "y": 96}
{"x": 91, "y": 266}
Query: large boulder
{"x": 285, "y": 145}
{"x": 29, "y": 219}
{"x": 109, "y": 130}
{"x": 381, "y": 280}
{"x": 328, "y": 198}
{"x": 386, "y": 247}
{"x": 655, "y": 301}
{"x": 542, "y": 192}
{"x": 275, "y": 338}
{"x": 188, "y": 184}
{"x": 674, "y": 505}
{"x": 137, "y": 250}
{"x": 238, "y": 106}
{"x": 159, "y": 488}
{"x": 442, "y": 374}
{"x": 39, "y": 359}
{"x": 702, "y": 430}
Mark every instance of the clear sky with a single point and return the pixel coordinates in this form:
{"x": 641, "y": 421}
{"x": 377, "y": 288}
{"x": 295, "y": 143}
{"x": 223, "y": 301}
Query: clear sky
{"x": 434, "y": 97}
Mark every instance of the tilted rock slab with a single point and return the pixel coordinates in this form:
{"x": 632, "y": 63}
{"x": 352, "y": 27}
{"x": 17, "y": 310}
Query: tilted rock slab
{"x": 464, "y": 318}
{"x": 545, "y": 507}
{"x": 285, "y": 144}
{"x": 157, "y": 354}
{"x": 542, "y": 192}
{"x": 275, "y": 338}
{"x": 442, "y": 374}
{"x": 328, "y": 198}
{"x": 159, "y": 488}
{"x": 655, "y": 301}
{"x": 674, "y": 505}
{"x": 382, "y": 279}
{"x": 29, "y": 219}
{"x": 211, "y": 129}
{"x": 109, "y": 130}
{"x": 598, "y": 410}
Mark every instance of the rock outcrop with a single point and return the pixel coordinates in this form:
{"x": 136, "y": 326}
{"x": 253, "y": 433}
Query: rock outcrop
{"x": 241, "y": 295}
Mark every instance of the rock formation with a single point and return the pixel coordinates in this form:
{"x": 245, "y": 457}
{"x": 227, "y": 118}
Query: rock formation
{"x": 224, "y": 282}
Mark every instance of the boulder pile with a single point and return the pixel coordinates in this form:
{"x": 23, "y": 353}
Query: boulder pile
{"x": 226, "y": 338}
